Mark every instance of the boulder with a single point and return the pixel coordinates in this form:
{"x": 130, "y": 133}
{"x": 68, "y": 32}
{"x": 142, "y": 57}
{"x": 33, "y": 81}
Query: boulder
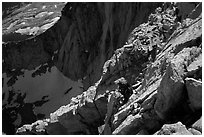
{"x": 195, "y": 68}
{"x": 173, "y": 129}
{"x": 170, "y": 92}
{"x": 194, "y": 89}
{"x": 198, "y": 125}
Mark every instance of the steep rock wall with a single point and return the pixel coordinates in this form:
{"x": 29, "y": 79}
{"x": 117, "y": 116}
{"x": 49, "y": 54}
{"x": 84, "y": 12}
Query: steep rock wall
{"x": 95, "y": 31}
{"x": 160, "y": 96}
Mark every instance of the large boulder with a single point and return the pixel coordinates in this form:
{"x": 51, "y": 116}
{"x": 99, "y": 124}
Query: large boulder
{"x": 170, "y": 92}
{"x": 194, "y": 89}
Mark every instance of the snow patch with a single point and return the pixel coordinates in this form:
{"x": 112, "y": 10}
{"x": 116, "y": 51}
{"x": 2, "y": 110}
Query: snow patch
{"x": 55, "y": 19}
{"x": 28, "y": 31}
{"x": 55, "y": 52}
{"x": 50, "y": 13}
{"x": 12, "y": 24}
{"x": 23, "y": 31}
{"x": 32, "y": 9}
{"x": 22, "y": 23}
{"x": 42, "y": 14}
{"x": 43, "y": 7}
{"x": 47, "y": 26}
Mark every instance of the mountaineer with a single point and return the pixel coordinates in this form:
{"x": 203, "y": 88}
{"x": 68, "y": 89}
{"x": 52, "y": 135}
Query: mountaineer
{"x": 124, "y": 88}
{"x": 115, "y": 100}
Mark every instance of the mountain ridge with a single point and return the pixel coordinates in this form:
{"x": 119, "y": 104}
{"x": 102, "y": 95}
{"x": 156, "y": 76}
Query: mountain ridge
{"x": 128, "y": 61}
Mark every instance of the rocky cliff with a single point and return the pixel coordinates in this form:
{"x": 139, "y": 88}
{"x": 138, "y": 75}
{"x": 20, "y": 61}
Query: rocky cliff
{"x": 49, "y": 54}
{"x": 160, "y": 62}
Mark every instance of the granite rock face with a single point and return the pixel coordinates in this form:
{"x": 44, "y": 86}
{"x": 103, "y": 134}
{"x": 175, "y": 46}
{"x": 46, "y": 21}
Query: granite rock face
{"x": 160, "y": 62}
{"x": 98, "y": 30}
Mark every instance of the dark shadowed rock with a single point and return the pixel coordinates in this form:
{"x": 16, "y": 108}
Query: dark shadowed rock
{"x": 194, "y": 88}
{"x": 187, "y": 9}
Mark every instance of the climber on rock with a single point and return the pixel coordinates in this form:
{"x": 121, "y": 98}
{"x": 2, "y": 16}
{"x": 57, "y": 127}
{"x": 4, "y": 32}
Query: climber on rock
{"x": 124, "y": 88}
{"x": 153, "y": 52}
{"x": 115, "y": 100}
{"x": 177, "y": 14}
